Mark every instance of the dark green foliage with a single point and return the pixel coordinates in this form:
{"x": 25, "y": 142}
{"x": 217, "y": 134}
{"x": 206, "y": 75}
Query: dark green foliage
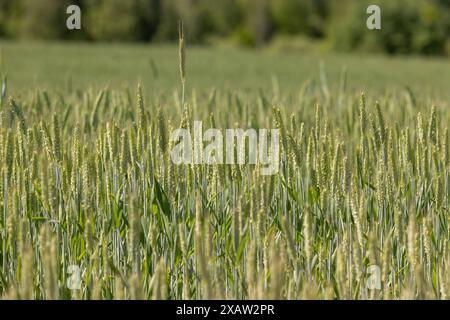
{"x": 407, "y": 26}
{"x": 132, "y": 20}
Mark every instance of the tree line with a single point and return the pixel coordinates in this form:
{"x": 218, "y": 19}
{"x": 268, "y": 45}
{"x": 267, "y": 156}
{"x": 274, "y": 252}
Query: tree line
{"x": 408, "y": 26}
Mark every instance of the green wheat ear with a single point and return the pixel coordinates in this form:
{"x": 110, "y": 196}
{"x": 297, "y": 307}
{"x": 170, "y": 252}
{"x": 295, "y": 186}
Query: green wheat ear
{"x": 182, "y": 53}
{"x": 182, "y": 60}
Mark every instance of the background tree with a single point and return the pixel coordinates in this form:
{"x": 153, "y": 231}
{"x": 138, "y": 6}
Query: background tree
{"x": 44, "y": 19}
{"x": 408, "y": 26}
{"x": 131, "y": 20}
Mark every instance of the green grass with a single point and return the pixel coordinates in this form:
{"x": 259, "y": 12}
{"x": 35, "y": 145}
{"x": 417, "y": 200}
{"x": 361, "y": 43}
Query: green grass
{"x": 49, "y": 65}
{"x": 86, "y": 178}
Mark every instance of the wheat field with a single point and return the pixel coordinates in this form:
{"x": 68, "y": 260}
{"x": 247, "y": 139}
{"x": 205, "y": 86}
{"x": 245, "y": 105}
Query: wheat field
{"x": 87, "y": 181}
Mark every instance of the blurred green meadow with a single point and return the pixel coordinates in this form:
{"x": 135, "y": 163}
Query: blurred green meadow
{"x": 62, "y": 66}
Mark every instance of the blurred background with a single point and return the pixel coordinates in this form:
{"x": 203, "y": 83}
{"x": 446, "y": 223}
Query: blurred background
{"x": 408, "y": 26}
{"x": 247, "y": 46}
